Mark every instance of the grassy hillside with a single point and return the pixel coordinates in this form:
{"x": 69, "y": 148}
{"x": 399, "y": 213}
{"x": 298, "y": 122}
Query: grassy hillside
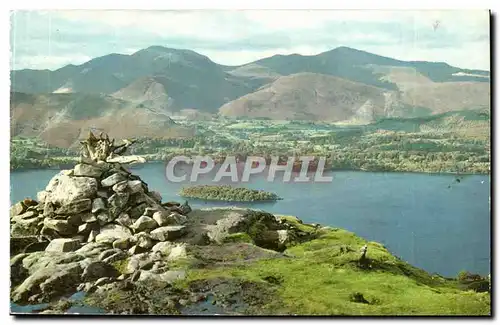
{"x": 325, "y": 276}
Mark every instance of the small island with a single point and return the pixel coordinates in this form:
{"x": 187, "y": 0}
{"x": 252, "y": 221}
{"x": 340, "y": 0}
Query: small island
{"x": 227, "y": 193}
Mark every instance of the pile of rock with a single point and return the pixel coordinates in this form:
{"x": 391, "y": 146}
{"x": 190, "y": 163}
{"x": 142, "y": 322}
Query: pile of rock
{"x": 98, "y": 226}
{"x": 101, "y": 202}
{"x": 87, "y": 219}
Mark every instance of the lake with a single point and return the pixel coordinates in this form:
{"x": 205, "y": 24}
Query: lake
{"x": 431, "y": 221}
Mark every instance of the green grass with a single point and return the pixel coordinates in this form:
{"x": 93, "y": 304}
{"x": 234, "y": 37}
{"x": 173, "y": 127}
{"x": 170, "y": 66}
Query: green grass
{"x": 296, "y": 222}
{"x": 121, "y": 265}
{"x": 319, "y": 280}
{"x": 239, "y": 237}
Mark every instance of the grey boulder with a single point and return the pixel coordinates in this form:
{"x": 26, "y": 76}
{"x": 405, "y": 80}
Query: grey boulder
{"x": 168, "y": 233}
{"x": 63, "y": 245}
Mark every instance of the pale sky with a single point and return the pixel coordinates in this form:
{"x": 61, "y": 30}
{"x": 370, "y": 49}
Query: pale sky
{"x": 53, "y": 39}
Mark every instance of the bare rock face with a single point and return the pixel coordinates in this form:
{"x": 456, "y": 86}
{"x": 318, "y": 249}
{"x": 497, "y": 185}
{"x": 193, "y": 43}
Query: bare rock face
{"x": 25, "y": 216}
{"x": 87, "y": 170}
{"x": 137, "y": 211}
{"x": 234, "y": 222}
{"x": 124, "y": 220}
{"x": 118, "y": 256}
{"x": 136, "y": 249}
{"x": 150, "y": 212}
{"x": 98, "y": 205}
{"x": 103, "y": 193}
{"x": 26, "y": 227}
{"x": 168, "y": 233}
{"x": 96, "y": 270}
{"x": 49, "y": 281}
{"x": 63, "y": 189}
{"x": 135, "y": 186}
{"x": 143, "y": 240}
{"x": 161, "y": 218}
{"x": 63, "y": 245}
{"x": 92, "y": 236}
{"x": 168, "y": 276}
{"x": 74, "y": 219}
{"x": 144, "y": 223}
{"x": 104, "y": 218}
{"x": 63, "y": 280}
{"x": 117, "y": 203}
{"x": 19, "y": 244}
{"x": 112, "y": 232}
{"x": 176, "y": 218}
{"x": 113, "y": 179}
{"x": 17, "y": 209}
{"x": 120, "y": 187}
{"x": 123, "y": 244}
{"x": 164, "y": 248}
{"x": 86, "y": 228}
{"x": 75, "y": 207}
{"x": 177, "y": 252}
{"x": 62, "y": 227}
{"x": 42, "y": 196}
{"x": 88, "y": 217}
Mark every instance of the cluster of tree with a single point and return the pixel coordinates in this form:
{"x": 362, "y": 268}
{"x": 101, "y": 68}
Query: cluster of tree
{"x": 25, "y": 154}
{"x": 227, "y": 193}
{"x": 414, "y": 161}
{"x": 33, "y": 163}
{"x": 351, "y": 147}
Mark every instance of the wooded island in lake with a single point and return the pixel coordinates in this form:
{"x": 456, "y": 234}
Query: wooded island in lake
{"x": 227, "y": 193}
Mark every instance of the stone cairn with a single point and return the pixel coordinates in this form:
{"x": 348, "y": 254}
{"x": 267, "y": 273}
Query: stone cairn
{"x": 96, "y": 201}
{"x": 97, "y": 227}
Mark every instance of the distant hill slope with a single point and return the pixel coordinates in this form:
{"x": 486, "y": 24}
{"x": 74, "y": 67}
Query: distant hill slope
{"x": 468, "y": 123}
{"x": 310, "y": 96}
{"x": 61, "y": 119}
{"x": 356, "y": 65}
{"x": 449, "y": 96}
{"x": 146, "y": 91}
{"x": 168, "y": 81}
{"x": 190, "y": 79}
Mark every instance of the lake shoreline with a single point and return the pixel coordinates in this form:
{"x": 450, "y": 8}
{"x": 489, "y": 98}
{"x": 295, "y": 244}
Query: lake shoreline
{"x": 411, "y": 213}
{"x": 134, "y": 167}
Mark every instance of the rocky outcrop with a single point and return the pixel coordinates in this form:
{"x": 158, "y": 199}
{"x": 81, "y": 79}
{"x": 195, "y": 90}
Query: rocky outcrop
{"x": 95, "y": 201}
{"x": 122, "y": 253}
{"x": 98, "y": 224}
{"x": 65, "y": 189}
{"x": 98, "y": 212}
{"x": 63, "y": 245}
{"x": 264, "y": 229}
{"x": 168, "y": 233}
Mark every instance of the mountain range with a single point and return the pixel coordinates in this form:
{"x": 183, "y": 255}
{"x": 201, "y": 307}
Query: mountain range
{"x": 134, "y": 95}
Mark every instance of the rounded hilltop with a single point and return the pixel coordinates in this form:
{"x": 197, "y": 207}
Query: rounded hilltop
{"x": 227, "y": 193}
